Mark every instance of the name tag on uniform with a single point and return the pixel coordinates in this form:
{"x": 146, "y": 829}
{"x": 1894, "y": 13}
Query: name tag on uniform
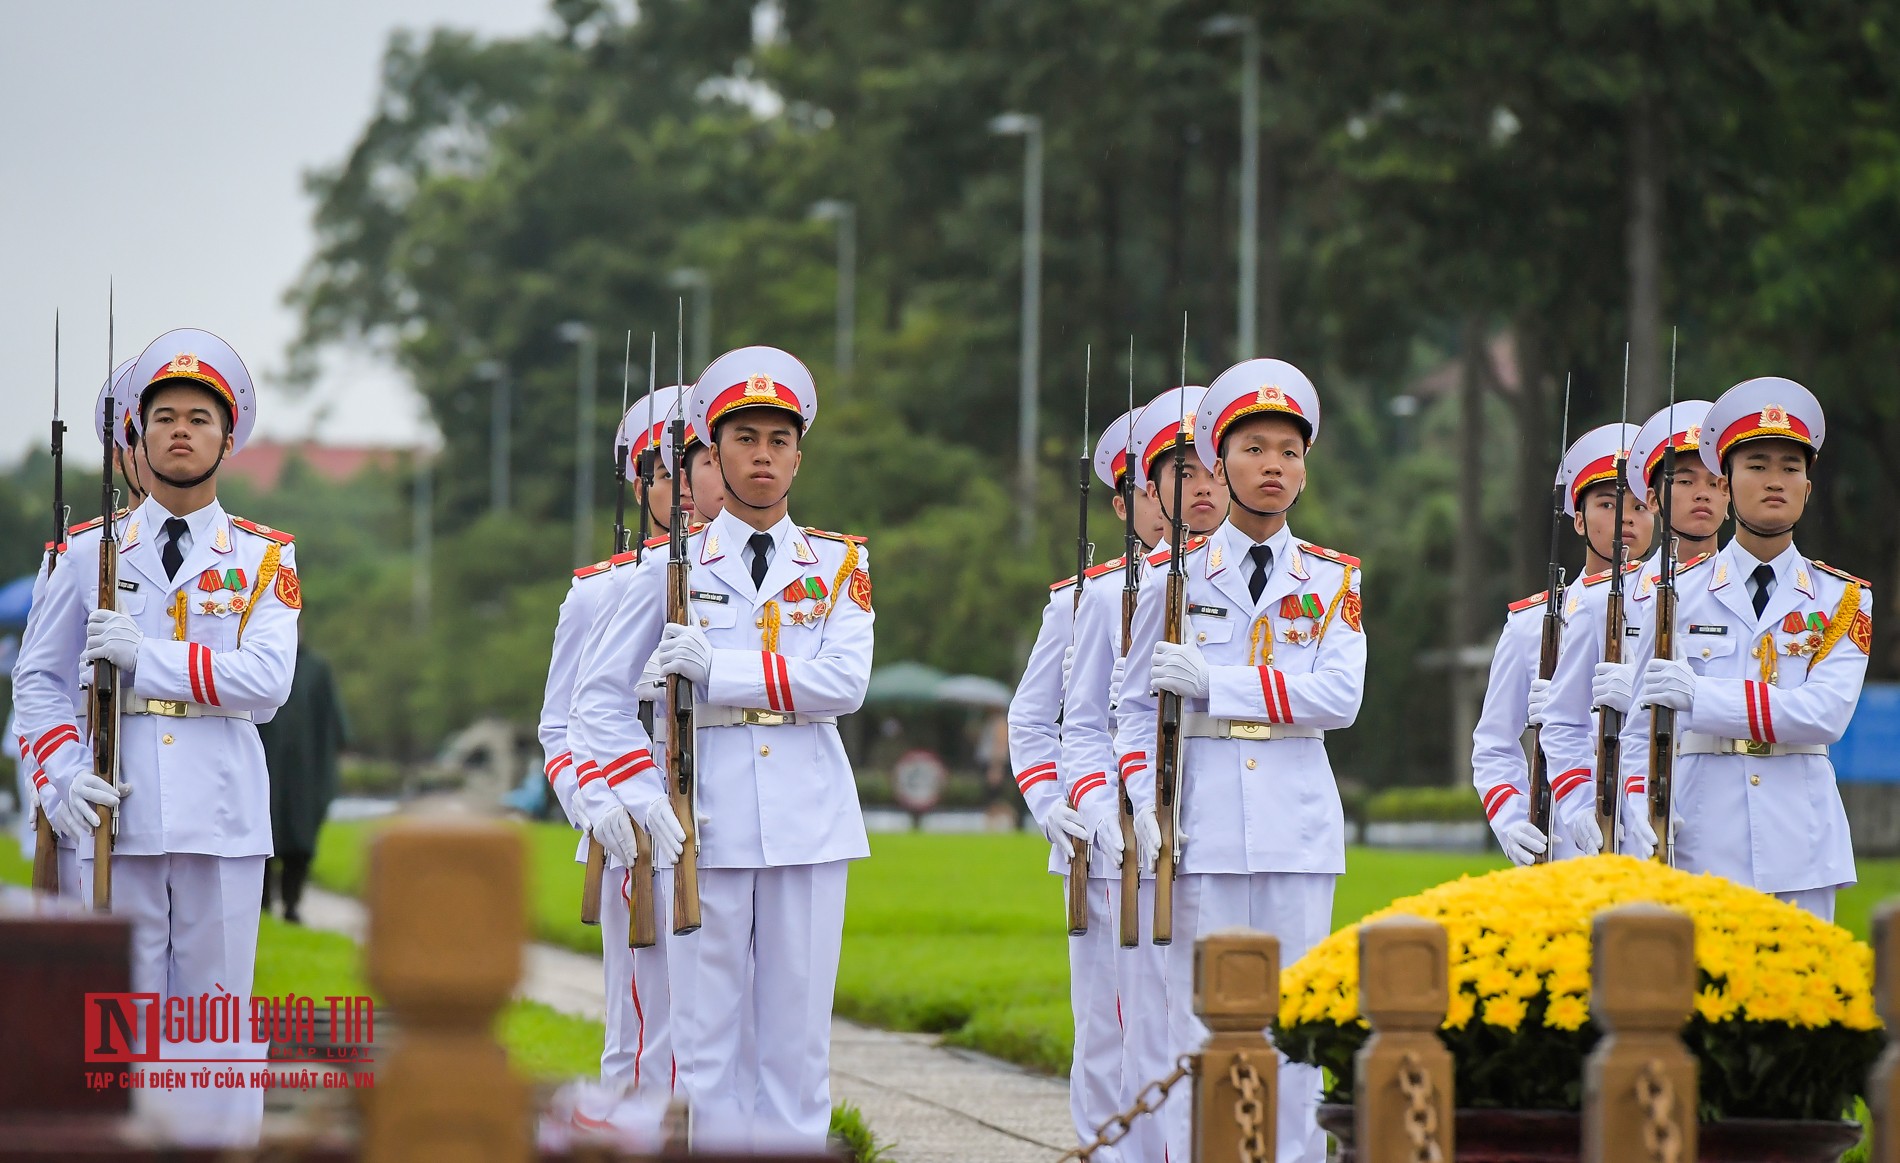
{"x": 1698, "y": 628}
{"x": 1210, "y": 611}
{"x": 709, "y": 596}
{"x": 130, "y": 587}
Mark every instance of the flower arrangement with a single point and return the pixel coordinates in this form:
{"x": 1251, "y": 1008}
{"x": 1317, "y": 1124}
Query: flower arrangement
{"x": 1784, "y": 1023}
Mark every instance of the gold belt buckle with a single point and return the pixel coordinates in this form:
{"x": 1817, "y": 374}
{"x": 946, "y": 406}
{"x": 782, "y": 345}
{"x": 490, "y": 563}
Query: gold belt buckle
{"x": 1753, "y": 749}
{"x": 1242, "y": 729}
{"x": 170, "y": 708}
{"x": 758, "y": 718}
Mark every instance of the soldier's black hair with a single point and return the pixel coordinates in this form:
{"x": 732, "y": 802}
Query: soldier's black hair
{"x": 224, "y": 406}
{"x": 797, "y": 418}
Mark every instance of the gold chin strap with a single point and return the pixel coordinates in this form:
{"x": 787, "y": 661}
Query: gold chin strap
{"x": 1839, "y": 625}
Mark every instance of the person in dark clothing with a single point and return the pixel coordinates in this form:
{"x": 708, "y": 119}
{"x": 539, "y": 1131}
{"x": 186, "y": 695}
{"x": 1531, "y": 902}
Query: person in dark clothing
{"x": 301, "y": 745}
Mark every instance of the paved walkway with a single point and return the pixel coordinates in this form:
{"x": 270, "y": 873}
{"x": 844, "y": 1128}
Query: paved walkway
{"x": 933, "y": 1103}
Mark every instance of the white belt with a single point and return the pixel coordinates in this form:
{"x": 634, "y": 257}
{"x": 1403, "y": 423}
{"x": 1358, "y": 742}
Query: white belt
{"x": 1197, "y": 725}
{"x": 180, "y": 709}
{"x": 1696, "y": 743}
{"x": 705, "y": 715}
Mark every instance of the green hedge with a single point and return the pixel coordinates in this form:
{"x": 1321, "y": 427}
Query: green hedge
{"x": 1425, "y": 804}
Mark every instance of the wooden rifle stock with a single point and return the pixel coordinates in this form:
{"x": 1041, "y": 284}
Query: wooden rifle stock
{"x": 1662, "y": 727}
{"x": 1131, "y": 865}
{"x": 1609, "y": 719}
{"x": 681, "y": 740}
{"x": 1168, "y": 766}
{"x": 1078, "y": 880}
{"x": 590, "y": 881}
{"x": 45, "y": 854}
{"x": 1552, "y": 638}
{"x": 103, "y": 721}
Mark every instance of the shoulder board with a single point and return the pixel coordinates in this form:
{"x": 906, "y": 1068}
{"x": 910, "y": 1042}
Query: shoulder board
{"x": 626, "y": 558}
{"x": 1824, "y": 567}
{"x": 264, "y": 531}
{"x": 599, "y": 567}
{"x": 1330, "y": 554}
{"x": 1161, "y": 556}
{"x": 97, "y": 521}
{"x": 1683, "y": 567}
{"x": 1065, "y": 583}
{"x": 1109, "y": 566}
{"x": 836, "y": 536}
{"x": 1536, "y": 599}
{"x": 1632, "y": 566}
{"x": 1590, "y": 579}
{"x": 656, "y": 542}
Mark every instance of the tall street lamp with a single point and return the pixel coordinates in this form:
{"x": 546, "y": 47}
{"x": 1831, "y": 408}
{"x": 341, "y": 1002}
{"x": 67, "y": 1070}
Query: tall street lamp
{"x": 582, "y": 336}
{"x": 500, "y": 404}
{"x": 697, "y": 281}
{"x": 1248, "y": 30}
{"x": 845, "y": 214}
{"x": 1029, "y": 128}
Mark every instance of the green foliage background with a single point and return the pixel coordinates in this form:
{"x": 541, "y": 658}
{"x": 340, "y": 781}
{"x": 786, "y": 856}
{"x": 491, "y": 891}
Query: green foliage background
{"x": 1440, "y": 174}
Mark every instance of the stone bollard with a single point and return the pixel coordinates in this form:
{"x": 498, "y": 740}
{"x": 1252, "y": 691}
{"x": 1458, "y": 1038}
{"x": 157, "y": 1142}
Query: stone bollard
{"x": 1883, "y": 1084}
{"x": 1403, "y": 1097}
{"x": 1237, "y": 1074}
{"x": 447, "y": 920}
{"x": 1639, "y": 1084}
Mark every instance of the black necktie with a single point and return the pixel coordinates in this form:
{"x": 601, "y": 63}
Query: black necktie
{"x": 172, "y": 556}
{"x": 1764, "y": 579}
{"x": 1262, "y": 562}
{"x": 761, "y": 544}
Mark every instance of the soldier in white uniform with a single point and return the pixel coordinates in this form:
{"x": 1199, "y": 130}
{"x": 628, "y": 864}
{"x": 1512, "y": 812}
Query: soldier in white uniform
{"x": 1773, "y": 650}
{"x": 638, "y": 1050}
{"x": 35, "y": 738}
{"x": 204, "y": 639}
{"x": 1274, "y": 657}
{"x": 778, "y": 645}
{"x": 1698, "y": 506}
{"x": 1088, "y": 744}
{"x": 1566, "y": 709}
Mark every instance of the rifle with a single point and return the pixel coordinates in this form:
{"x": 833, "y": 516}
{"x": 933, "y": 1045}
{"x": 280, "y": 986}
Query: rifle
{"x": 640, "y": 929}
{"x": 1168, "y": 709}
{"x": 1610, "y": 720}
{"x": 647, "y": 455}
{"x": 1078, "y": 899}
{"x": 45, "y": 844}
{"x": 1131, "y": 591}
{"x": 1547, "y": 647}
{"x": 681, "y": 749}
{"x": 1662, "y": 720}
{"x": 103, "y": 699}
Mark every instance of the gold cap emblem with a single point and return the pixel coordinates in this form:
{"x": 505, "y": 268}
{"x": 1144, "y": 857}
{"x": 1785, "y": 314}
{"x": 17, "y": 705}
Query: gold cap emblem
{"x": 760, "y": 385}
{"x": 1774, "y": 416}
{"x": 1692, "y": 438}
{"x": 184, "y": 363}
{"x": 1271, "y": 396}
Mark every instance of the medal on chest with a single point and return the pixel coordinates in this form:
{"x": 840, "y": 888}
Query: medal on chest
{"x": 220, "y": 593}
{"x": 1807, "y": 633}
{"x": 810, "y": 589}
{"x": 1302, "y": 614}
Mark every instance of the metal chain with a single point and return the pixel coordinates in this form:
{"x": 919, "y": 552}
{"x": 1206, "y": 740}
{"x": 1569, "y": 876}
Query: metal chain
{"x": 1421, "y": 1113}
{"x": 1249, "y": 1111}
{"x": 1661, "y": 1137}
{"x": 1116, "y": 1129}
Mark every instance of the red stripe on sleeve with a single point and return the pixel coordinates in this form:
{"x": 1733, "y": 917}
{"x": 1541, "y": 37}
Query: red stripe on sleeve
{"x": 1635, "y": 785}
{"x": 1266, "y": 692}
{"x": 558, "y": 764}
{"x": 771, "y": 680}
{"x": 1032, "y": 776}
{"x": 628, "y": 766}
{"x": 784, "y": 682}
{"x": 191, "y": 669}
{"x": 1085, "y": 785}
{"x": 1286, "y": 708}
{"x": 587, "y": 773}
{"x": 211, "y": 686}
{"x": 1569, "y": 781}
{"x": 1748, "y": 698}
{"x": 54, "y": 739}
{"x": 1496, "y": 798}
{"x": 40, "y": 781}
{"x": 1767, "y": 716}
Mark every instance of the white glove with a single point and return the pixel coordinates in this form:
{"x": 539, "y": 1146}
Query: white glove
{"x": 1106, "y": 833}
{"x": 1539, "y": 704}
{"x": 1639, "y": 839}
{"x": 1062, "y": 827}
{"x": 1522, "y": 842}
{"x": 1668, "y": 683}
{"x": 1180, "y": 668}
{"x": 614, "y": 831}
{"x": 113, "y": 636}
{"x": 1578, "y": 813}
{"x": 685, "y": 651}
{"x": 1613, "y": 686}
{"x": 1147, "y": 838}
{"x": 666, "y": 833}
{"x": 1068, "y": 664}
{"x": 1115, "y": 681}
{"x": 75, "y": 816}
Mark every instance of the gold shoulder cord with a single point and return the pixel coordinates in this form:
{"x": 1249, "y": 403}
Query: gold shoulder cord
{"x": 769, "y": 622}
{"x": 844, "y": 575}
{"x": 1256, "y": 647}
{"x": 266, "y": 573}
{"x": 1839, "y": 625}
{"x": 1345, "y": 587}
{"x": 177, "y": 611}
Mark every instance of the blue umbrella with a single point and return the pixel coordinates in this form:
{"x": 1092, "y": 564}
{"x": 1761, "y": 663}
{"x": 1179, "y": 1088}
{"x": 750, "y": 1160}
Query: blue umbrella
{"x": 16, "y": 599}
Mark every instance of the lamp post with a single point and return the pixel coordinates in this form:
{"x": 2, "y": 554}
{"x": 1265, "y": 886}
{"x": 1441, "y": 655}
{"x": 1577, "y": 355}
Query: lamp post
{"x": 1248, "y": 30}
{"x": 845, "y": 214}
{"x": 697, "y": 281}
{"x": 500, "y": 404}
{"x": 582, "y": 336}
{"x": 1029, "y": 128}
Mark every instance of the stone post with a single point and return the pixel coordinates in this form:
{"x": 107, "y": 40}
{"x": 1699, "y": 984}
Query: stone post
{"x": 1403, "y": 1097}
{"x": 1639, "y": 1084}
{"x": 1236, "y": 1076}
